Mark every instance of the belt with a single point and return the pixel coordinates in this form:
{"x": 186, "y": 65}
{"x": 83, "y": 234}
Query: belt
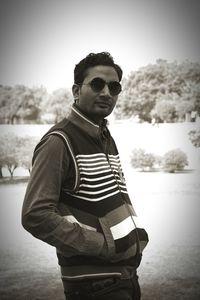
{"x": 92, "y": 285}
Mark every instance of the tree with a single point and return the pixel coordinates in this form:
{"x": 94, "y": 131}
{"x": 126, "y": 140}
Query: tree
{"x": 58, "y": 104}
{"x": 25, "y": 150}
{"x": 8, "y": 156}
{"x": 171, "y": 83}
{"x": 141, "y": 159}
{"x": 135, "y": 100}
{"x": 11, "y": 163}
{"x": 194, "y": 136}
{"x": 20, "y": 103}
{"x": 1, "y": 161}
{"x": 30, "y": 107}
{"x": 164, "y": 111}
{"x": 174, "y": 160}
{"x": 5, "y": 103}
{"x": 16, "y": 151}
{"x": 10, "y": 145}
{"x": 183, "y": 108}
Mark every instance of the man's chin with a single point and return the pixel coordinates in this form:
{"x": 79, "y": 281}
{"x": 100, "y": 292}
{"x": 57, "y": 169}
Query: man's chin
{"x": 104, "y": 113}
{"x": 104, "y": 110}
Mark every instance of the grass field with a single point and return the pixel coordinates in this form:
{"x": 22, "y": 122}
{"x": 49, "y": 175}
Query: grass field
{"x": 167, "y": 206}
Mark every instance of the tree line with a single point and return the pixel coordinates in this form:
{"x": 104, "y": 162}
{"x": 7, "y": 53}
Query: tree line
{"x": 22, "y": 104}
{"x": 160, "y": 92}
{"x": 164, "y": 92}
{"x": 17, "y": 152}
{"x": 172, "y": 161}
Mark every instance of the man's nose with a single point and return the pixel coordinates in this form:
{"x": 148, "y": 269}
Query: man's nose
{"x": 105, "y": 90}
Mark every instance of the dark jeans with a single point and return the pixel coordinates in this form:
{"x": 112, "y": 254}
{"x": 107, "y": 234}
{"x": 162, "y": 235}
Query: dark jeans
{"x": 103, "y": 289}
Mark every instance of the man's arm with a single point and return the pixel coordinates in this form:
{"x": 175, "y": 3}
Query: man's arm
{"x": 39, "y": 213}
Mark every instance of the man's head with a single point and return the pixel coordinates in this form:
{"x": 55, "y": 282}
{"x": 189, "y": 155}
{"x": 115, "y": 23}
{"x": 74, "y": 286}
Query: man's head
{"x": 96, "y": 85}
{"x": 91, "y": 60}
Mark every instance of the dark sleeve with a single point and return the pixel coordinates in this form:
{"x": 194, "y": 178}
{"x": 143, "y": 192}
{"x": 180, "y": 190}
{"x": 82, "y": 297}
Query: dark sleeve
{"x": 39, "y": 213}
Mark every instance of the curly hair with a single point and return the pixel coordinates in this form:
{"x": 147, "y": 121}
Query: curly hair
{"x": 94, "y": 59}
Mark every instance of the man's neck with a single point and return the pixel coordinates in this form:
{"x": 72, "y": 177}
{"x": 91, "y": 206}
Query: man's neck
{"x": 96, "y": 120}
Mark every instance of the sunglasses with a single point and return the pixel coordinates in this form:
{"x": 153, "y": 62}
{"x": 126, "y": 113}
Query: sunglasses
{"x": 97, "y": 85}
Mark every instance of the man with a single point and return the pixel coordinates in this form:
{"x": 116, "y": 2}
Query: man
{"x": 77, "y": 200}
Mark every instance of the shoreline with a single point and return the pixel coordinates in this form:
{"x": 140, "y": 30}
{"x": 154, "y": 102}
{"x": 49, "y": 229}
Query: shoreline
{"x": 14, "y": 179}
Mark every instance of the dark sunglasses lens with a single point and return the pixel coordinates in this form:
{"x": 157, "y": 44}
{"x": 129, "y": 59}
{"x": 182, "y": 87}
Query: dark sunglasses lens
{"x": 114, "y": 87}
{"x": 97, "y": 84}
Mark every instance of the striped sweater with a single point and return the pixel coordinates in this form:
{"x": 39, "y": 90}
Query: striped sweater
{"x": 97, "y": 201}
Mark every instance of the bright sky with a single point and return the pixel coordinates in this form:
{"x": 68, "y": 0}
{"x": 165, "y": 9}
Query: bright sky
{"x": 42, "y": 40}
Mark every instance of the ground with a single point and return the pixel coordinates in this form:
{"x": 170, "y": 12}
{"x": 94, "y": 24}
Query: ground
{"x": 170, "y": 269}
{"x": 167, "y": 206}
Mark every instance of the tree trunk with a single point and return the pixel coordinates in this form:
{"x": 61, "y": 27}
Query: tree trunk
{"x": 1, "y": 174}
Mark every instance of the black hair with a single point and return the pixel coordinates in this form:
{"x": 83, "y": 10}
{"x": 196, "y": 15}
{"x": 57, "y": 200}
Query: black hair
{"x": 94, "y": 59}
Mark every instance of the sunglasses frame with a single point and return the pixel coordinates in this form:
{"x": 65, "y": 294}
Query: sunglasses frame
{"x": 109, "y": 84}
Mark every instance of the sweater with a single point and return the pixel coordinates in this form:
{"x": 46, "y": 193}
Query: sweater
{"x": 96, "y": 216}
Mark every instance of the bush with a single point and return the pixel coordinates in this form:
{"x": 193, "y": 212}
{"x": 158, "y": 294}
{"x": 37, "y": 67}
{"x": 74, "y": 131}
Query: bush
{"x": 16, "y": 151}
{"x": 142, "y": 160}
{"x": 194, "y": 136}
{"x": 174, "y": 160}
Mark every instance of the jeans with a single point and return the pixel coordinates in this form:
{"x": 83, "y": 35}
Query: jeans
{"x": 103, "y": 289}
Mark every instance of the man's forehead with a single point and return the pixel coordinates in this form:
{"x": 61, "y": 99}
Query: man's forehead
{"x": 101, "y": 71}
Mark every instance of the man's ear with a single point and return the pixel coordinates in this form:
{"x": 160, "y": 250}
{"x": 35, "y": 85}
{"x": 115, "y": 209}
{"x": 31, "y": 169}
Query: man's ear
{"x": 75, "y": 91}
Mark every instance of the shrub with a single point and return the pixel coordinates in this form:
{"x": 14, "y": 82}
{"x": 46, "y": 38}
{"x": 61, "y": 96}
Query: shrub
{"x": 142, "y": 160}
{"x": 194, "y": 136}
{"x": 174, "y": 160}
{"x": 16, "y": 151}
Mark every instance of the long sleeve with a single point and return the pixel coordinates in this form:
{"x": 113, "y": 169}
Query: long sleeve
{"x": 40, "y": 216}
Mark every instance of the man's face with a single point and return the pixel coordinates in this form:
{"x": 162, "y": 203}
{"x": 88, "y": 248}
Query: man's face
{"x": 96, "y": 105}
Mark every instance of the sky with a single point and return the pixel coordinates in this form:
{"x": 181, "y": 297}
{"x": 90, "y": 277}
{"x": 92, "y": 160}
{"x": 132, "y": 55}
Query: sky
{"x": 42, "y": 40}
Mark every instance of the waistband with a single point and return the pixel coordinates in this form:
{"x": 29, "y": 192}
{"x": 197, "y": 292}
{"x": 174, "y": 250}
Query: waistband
{"x": 97, "y": 285}
{"x": 75, "y": 273}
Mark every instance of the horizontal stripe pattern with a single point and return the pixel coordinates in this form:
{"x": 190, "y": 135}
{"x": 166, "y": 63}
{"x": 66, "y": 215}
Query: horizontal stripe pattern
{"x": 123, "y": 228}
{"x": 100, "y": 202}
{"x": 100, "y": 177}
{"x": 90, "y": 276}
{"x": 72, "y": 219}
{"x": 100, "y": 194}
{"x": 96, "y": 208}
{"x": 129, "y": 241}
{"x": 97, "y": 270}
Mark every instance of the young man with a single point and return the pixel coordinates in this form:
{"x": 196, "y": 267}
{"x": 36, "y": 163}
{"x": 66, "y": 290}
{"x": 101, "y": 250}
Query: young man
{"x": 77, "y": 200}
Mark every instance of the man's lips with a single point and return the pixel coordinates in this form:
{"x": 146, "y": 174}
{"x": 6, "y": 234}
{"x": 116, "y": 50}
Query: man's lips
{"x": 104, "y": 104}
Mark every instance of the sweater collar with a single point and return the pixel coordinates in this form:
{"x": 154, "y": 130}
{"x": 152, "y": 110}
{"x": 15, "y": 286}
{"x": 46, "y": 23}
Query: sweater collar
{"x": 83, "y": 122}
